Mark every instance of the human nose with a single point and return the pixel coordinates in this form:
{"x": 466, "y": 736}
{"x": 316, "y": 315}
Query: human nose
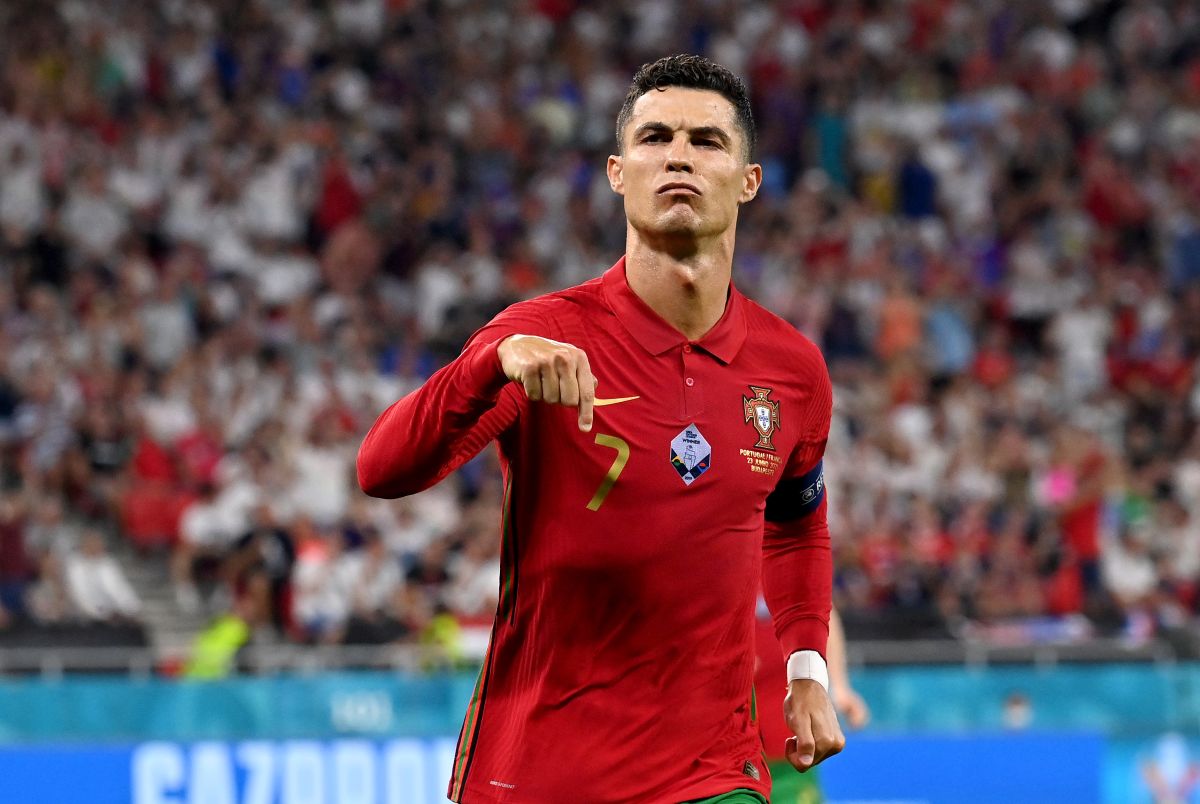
{"x": 679, "y": 156}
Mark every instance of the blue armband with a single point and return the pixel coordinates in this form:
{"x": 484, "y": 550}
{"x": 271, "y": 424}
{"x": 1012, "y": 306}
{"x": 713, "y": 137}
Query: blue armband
{"x": 797, "y": 497}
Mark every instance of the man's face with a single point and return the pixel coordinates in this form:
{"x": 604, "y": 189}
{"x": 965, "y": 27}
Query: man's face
{"x": 683, "y": 171}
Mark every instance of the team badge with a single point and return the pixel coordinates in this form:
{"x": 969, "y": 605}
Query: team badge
{"x": 763, "y": 413}
{"x": 690, "y": 454}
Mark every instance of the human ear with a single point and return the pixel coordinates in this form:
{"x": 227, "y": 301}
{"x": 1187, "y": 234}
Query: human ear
{"x": 615, "y": 179}
{"x": 751, "y": 181}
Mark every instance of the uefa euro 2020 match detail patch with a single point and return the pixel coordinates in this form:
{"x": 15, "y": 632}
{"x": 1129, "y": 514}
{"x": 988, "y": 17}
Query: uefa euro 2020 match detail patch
{"x": 690, "y": 454}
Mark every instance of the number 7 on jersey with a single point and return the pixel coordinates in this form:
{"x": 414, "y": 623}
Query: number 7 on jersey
{"x": 614, "y": 471}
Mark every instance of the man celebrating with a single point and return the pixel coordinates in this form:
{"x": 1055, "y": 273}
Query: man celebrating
{"x": 637, "y": 521}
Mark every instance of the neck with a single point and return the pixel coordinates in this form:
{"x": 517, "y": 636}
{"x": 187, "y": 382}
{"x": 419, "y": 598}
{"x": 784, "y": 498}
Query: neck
{"x": 685, "y": 283}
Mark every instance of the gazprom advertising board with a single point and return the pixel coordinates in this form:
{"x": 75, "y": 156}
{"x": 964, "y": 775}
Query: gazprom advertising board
{"x": 251, "y": 772}
{"x": 1118, "y": 733}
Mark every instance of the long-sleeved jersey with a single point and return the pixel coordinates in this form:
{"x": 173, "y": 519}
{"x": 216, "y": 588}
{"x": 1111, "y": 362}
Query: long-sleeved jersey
{"x": 621, "y": 661}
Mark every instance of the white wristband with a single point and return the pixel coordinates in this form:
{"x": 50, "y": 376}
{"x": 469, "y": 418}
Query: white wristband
{"x": 808, "y": 664}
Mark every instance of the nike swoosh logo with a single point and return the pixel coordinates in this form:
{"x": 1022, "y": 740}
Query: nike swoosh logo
{"x": 614, "y": 401}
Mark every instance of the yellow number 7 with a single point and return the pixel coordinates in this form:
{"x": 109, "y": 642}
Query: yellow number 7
{"x": 614, "y": 471}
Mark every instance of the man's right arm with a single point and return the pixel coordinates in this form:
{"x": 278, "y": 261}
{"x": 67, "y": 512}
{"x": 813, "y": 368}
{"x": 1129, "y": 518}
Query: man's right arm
{"x": 438, "y": 427}
{"x": 461, "y": 408}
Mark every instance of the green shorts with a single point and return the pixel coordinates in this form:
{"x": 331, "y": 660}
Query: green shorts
{"x": 787, "y": 787}
{"x": 739, "y": 796}
{"x": 791, "y": 787}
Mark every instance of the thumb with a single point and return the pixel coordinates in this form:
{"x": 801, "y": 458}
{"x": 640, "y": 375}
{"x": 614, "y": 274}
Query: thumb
{"x": 801, "y": 748}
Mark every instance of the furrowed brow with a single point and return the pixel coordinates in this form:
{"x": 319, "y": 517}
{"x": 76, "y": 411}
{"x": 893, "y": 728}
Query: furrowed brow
{"x": 715, "y": 132}
{"x": 657, "y": 127}
{"x": 651, "y": 127}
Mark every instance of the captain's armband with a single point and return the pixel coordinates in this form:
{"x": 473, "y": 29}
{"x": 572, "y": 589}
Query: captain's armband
{"x": 797, "y": 497}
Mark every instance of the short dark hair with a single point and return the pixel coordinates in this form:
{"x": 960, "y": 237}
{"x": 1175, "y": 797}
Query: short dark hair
{"x": 690, "y": 72}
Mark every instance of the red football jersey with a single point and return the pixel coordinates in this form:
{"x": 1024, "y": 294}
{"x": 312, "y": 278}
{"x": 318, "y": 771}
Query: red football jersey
{"x": 622, "y": 656}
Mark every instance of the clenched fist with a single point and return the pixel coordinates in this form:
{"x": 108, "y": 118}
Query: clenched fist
{"x": 809, "y": 714}
{"x": 550, "y": 371}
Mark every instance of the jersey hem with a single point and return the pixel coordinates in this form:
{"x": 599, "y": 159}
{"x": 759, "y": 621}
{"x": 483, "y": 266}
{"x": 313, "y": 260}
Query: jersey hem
{"x": 472, "y": 794}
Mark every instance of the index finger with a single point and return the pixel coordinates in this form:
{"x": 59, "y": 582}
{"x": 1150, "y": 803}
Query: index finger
{"x": 587, "y": 393}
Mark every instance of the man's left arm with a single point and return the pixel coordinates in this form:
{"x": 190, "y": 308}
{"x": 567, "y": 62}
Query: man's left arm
{"x": 798, "y": 587}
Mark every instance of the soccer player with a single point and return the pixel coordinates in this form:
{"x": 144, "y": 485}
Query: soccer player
{"x": 661, "y": 440}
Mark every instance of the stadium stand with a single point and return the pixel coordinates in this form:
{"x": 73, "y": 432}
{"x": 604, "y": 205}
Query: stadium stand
{"x": 232, "y": 232}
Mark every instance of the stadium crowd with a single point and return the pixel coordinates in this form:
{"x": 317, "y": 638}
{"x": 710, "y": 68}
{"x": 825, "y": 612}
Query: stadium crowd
{"x": 232, "y": 232}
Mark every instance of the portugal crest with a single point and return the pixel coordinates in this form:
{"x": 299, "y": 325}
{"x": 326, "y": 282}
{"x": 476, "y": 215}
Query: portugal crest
{"x": 763, "y": 413}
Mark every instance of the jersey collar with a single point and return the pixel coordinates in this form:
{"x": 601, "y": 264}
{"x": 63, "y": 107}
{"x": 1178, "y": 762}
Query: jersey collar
{"x": 656, "y": 336}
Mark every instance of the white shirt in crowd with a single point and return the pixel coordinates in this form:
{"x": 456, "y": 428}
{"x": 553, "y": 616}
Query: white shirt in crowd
{"x": 94, "y": 222}
{"x": 367, "y": 580}
{"x": 473, "y": 584}
{"x": 321, "y": 601}
{"x": 1128, "y": 570}
{"x": 98, "y": 587}
{"x": 322, "y": 486}
{"x": 22, "y": 199}
{"x": 215, "y": 524}
{"x": 1081, "y": 335}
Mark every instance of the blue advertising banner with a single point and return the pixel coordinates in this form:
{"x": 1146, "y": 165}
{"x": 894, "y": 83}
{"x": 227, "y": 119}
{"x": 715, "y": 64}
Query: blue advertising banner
{"x": 880, "y": 768}
{"x": 1115, "y": 733}
{"x": 251, "y": 772}
{"x": 983, "y": 769}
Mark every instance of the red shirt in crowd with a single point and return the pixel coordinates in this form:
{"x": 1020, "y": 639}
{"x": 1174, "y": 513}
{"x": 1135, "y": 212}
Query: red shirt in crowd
{"x": 1080, "y": 518}
{"x": 622, "y": 655}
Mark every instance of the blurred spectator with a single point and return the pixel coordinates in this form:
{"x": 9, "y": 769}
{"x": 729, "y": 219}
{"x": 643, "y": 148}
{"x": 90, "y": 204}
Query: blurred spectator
{"x": 323, "y": 465}
{"x": 16, "y": 570}
{"x": 375, "y": 586}
{"x": 916, "y": 185}
{"x": 216, "y": 648}
{"x": 48, "y": 600}
{"x": 93, "y": 220}
{"x": 22, "y": 196}
{"x": 96, "y": 585}
{"x": 474, "y": 577}
{"x": 1129, "y": 571}
{"x": 207, "y": 530}
{"x": 49, "y": 532}
{"x": 1017, "y": 711}
{"x": 265, "y": 551}
{"x": 321, "y": 599}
